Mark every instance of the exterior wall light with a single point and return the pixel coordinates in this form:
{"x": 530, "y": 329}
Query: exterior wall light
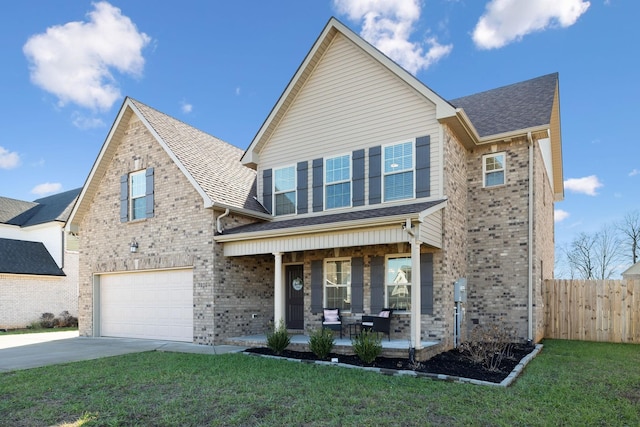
{"x": 133, "y": 246}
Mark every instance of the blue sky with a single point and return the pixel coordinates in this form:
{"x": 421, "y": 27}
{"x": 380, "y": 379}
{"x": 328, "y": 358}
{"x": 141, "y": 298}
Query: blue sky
{"x": 221, "y": 66}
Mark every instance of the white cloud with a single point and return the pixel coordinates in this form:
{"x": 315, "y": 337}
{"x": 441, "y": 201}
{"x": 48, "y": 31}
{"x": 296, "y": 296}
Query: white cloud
{"x": 587, "y": 185}
{"x": 83, "y": 122}
{"x": 75, "y": 61}
{"x": 8, "y": 159}
{"x": 505, "y": 21}
{"x": 186, "y": 107}
{"x": 46, "y": 188}
{"x": 238, "y": 91}
{"x": 388, "y": 25}
{"x": 560, "y": 215}
{"x": 634, "y": 172}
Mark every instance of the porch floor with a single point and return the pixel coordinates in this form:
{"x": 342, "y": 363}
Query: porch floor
{"x": 341, "y": 345}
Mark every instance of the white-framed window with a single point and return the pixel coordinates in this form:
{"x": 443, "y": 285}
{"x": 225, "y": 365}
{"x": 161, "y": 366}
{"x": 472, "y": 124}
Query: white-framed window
{"x": 398, "y": 282}
{"x": 284, "y": 190}
{"x": 337, "y": 283}
{"x": 337, "y": 182}
{"x": 398, "y": 171}
{"x": 137, "y": 193}
{"x": 493, "y": 169}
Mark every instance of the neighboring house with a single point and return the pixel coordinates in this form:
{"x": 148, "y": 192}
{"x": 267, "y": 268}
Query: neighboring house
{"x": 632, "y": 273}
{"x": 363, "y": 189}
{"x": 38, "y": 263}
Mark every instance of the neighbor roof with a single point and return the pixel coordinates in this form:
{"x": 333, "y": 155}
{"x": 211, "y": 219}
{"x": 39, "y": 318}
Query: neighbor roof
{"x": 47, "y": 209}
{"x": 22, "y": 257}
{"x": 523, "y": 105}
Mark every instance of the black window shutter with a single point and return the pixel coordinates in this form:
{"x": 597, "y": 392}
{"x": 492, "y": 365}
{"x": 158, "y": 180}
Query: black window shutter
{"x": 303, "y": 187}
{"x": 375, "y": 175}
{"x": 358, "y": 177}
{"x": 149, "y": 193}
{"x": 124, "y": 198}
{"x": 267, "y": 190}
{"x": 426, "y": 283}
{"x": 318, "y": 182}
{"x": 357, "y": 285}
{"x": 377, "y": 284}
{"x": 423, "y": 166}
{"x": 316, "y": 286}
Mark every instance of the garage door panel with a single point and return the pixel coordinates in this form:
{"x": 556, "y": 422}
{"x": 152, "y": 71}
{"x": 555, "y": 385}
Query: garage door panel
{"x": 150, "y": 305}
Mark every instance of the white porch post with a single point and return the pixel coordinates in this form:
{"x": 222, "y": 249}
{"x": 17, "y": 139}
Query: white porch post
{"x": 278, "y": 291}
{"x": 416, "y": 341}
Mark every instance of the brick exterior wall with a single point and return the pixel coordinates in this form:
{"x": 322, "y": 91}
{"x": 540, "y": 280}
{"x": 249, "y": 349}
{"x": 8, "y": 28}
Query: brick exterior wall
{"x": 499, "y": 240}
{"x": 180, "y": 234}
{"x": 24, "y": 298}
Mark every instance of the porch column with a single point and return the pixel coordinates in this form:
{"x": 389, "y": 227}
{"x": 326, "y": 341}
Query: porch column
{"x": 416, "y": 296}
{"x": 278, "y": 291}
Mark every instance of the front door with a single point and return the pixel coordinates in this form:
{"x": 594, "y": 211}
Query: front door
{"x": 295, "y": 296}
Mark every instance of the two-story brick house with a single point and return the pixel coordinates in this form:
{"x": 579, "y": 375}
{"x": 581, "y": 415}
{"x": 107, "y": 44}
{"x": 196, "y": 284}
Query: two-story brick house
{"x": 363, "y": 189}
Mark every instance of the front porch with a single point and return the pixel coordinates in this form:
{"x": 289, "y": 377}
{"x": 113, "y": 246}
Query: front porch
{"x": 300, "y": 342}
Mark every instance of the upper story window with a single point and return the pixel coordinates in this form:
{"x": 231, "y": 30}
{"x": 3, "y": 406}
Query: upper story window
{"x": 493, "y": 169}
{"x": 284, "y": 190}
{"x": 337, "y": 283}
{"x": 398, "y": 164}
{"x": 337, "y": 182}
{"x": 136, "y": 195}
{"x": 398, "y": 282}
{"x": 138, "y": 191}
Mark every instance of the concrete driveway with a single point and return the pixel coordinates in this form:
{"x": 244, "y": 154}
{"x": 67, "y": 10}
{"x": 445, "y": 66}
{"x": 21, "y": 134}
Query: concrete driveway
{"x": 51, "y": 348}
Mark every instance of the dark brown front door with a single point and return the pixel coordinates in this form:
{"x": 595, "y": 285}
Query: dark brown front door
{"x": 295, "y": 296}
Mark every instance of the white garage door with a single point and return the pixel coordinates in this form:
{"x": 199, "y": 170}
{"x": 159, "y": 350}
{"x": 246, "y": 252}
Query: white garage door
{"x": 150, "y": 305}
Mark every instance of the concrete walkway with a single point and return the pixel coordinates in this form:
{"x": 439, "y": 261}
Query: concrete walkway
{"x": 50, "y": 348}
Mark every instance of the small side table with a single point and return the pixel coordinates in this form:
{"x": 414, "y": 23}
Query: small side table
{"x": 354, "y": 329}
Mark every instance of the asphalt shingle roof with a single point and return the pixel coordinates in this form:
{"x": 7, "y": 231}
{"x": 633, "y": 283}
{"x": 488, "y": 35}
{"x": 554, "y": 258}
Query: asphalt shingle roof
{"x": 46, "y": 209}
{"x": 214, "y": 164}
{"x": 22, "y": 257}
{"x": 335, "y": 218}
{"x": 518, "y": 106}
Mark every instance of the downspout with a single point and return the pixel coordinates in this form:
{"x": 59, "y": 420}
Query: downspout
{"x": 530, "y": 245}
{"x": 219, "y": 227}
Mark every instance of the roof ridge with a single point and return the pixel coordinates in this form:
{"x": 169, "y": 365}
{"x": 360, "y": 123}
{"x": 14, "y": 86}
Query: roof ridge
{"x": 503, "y": 86}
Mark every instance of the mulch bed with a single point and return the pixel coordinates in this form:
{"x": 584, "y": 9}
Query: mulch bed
{"x": 451, "y": 363}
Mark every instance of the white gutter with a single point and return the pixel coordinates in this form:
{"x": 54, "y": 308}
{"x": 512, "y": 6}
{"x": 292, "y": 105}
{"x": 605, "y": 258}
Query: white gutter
{"x": 530, "y": 246}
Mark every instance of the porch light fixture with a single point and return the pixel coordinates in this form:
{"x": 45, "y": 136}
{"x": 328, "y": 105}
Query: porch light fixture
{"x": 133, "y": 246}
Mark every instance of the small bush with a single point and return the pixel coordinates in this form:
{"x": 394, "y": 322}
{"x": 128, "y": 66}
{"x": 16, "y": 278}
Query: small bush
{"x": 321, "y": 342}
{"x": 367, "y": 345}
{"x": 488, "y": 345}
{"x": 48, "y": 320}
{"x": 66, "y": 320}
{"x": 278, "y": 338}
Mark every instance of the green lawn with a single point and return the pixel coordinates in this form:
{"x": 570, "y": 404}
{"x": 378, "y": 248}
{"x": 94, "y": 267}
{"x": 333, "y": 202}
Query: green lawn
{"x": 568, "y": 383}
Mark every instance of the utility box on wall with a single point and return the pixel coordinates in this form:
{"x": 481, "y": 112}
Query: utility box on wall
{"x": 460, "y": 290}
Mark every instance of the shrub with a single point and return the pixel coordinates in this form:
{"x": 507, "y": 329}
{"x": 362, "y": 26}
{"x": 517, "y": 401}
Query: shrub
{"x": 278, "y": 338}
{"x": 321, "y": 342}
{"x": 488, "y": 345}
{"x": 367, "y": 345}
{"x": 66, "y": 320}
{"x": 48, "y": 320}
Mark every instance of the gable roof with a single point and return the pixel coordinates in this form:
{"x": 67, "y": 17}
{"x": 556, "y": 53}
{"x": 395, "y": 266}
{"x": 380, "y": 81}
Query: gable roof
{"x": 524, "y": 105}
{"x": 634, "y": 270}
{"x": 47, "y": 209}
{"x": 210, "y": 164}
{"x": 334, "y": 27}
{"x": 22, "y": 257}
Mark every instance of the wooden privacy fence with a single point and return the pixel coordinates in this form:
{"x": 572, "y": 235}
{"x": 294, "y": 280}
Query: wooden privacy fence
{"x": 593, "y": 310}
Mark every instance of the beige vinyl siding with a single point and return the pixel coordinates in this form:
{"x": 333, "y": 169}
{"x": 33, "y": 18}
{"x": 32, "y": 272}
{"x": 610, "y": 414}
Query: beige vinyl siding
{"x": 351, "y": 102}
{"x": 431, "y": 230}
{"x": 337, "y": 239}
